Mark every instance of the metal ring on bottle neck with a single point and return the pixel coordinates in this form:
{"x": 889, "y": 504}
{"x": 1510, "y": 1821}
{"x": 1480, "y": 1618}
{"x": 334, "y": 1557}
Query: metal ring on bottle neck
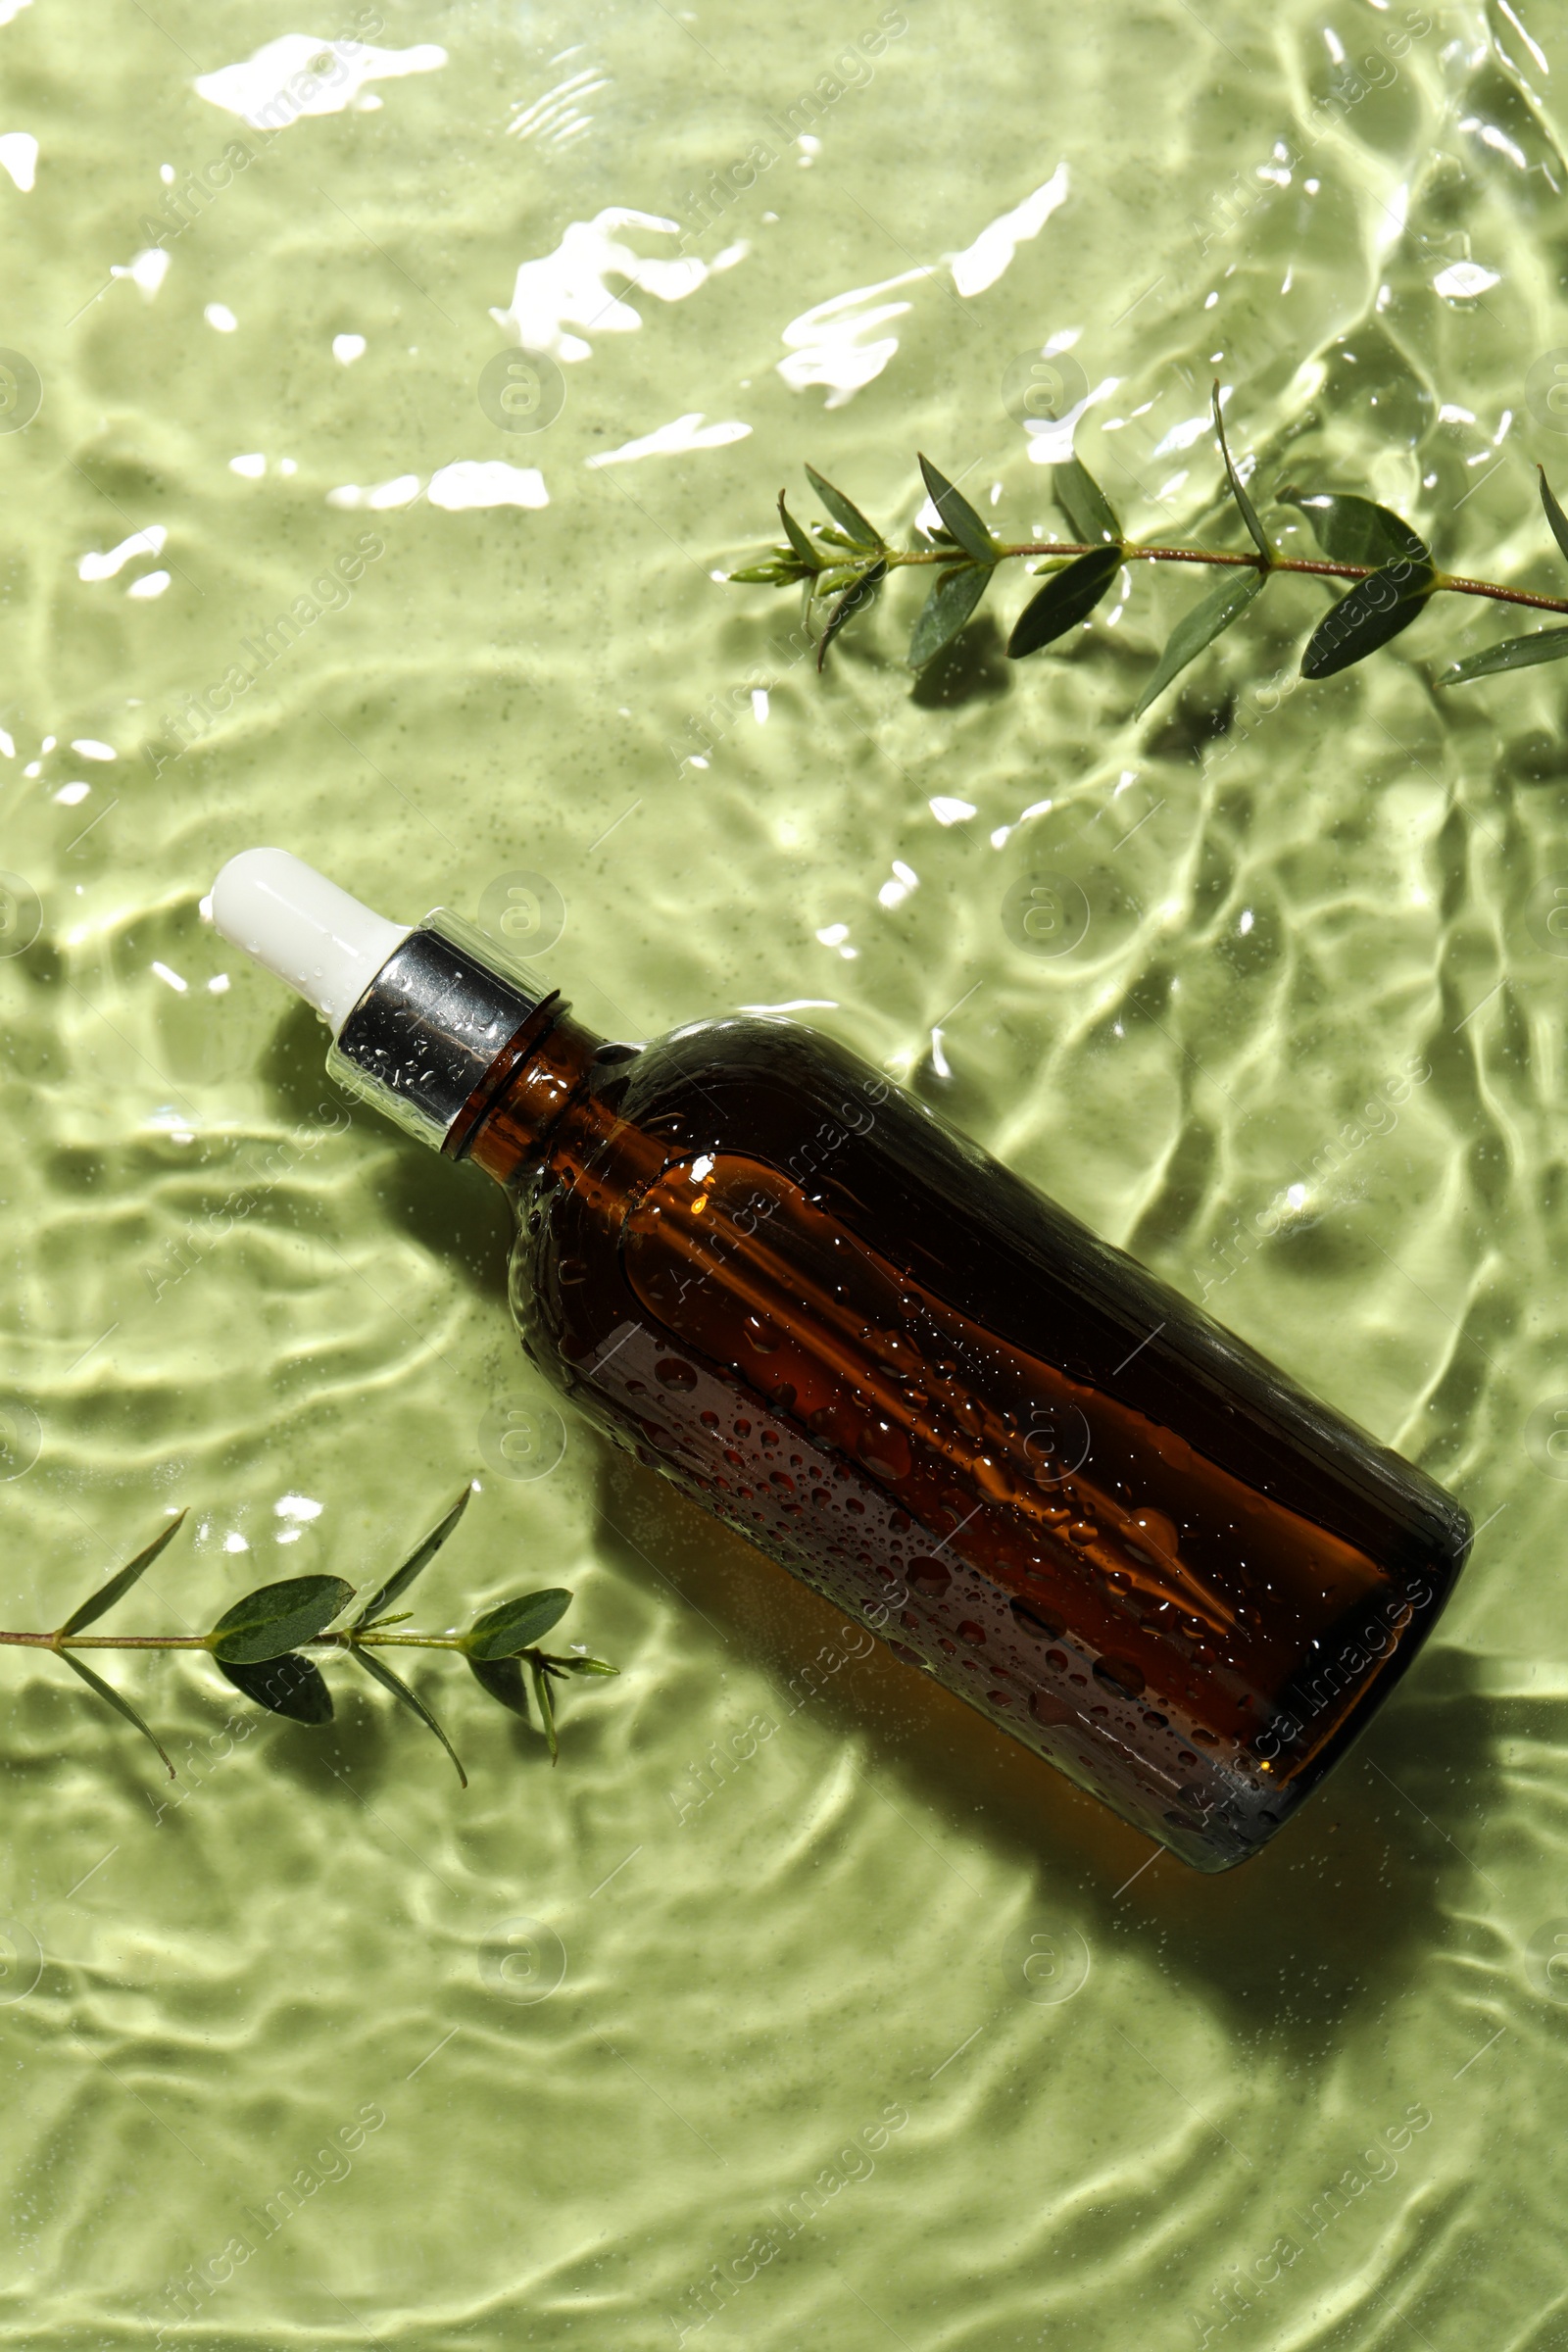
{"x": 421, "y": 1039}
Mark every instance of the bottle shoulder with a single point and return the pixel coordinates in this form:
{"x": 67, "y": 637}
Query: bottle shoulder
{"x": 744, "y": 1079}
{"x": 732, "y": 1048}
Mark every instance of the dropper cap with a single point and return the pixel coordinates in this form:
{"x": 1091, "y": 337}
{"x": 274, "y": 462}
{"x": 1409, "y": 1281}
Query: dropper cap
{"x": 303, "y": 929}
{"x": 419, "y": 1015}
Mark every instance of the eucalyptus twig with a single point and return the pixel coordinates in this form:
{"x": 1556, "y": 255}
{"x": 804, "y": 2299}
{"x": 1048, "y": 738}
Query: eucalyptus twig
{"x": 843, "y": 562}
{"x": 258, "y": 1644}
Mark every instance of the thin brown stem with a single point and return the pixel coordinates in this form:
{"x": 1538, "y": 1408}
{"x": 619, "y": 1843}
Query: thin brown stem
{"x": 394, "y": 1641}
{"x": 1503, "y": 595}
{"x": 104, "y": 1641}
{"x": 1316, "y": 567}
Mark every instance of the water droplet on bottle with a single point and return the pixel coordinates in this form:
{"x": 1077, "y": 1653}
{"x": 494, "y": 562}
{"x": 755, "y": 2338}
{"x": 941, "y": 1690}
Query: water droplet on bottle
{"x": 1156, "y": 1531}
{"x": 930, "y": 1577}
{"x": 1036, "y": 1620}
{"x": 1045, "y": 1708}
{"x": 882, "y": 1449}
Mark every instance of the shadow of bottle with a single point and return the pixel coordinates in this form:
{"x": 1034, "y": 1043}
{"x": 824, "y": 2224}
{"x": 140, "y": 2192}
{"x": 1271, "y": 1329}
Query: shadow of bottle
{"x": 1335, "y": 1917}
{"x": 454, "y": 1212}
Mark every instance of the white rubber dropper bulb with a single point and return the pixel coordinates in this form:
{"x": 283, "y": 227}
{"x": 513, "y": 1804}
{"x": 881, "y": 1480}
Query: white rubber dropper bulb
{"x": 303, "y": 929}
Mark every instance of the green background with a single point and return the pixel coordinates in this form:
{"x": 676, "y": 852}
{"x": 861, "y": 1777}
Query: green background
{"x": 776, "y": 1892}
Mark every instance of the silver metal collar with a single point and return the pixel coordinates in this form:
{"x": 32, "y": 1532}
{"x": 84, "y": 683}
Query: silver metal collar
{"x": 431, "y": 1024}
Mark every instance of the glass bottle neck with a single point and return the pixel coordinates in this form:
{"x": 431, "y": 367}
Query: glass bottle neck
{"x": 506, "y": 1125}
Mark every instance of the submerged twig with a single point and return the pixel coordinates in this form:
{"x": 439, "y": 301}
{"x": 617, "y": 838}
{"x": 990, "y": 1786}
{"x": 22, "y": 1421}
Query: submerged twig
{"x": 846, "y": 560}
{"x": 259, "y": 1644}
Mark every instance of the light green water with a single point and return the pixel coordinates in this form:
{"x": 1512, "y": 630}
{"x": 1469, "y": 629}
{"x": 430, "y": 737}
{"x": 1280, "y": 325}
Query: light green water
{"x": 218, "y": 1290}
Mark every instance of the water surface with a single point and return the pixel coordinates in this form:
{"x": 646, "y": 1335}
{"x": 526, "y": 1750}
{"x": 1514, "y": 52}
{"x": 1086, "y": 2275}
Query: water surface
{"x": 792, "y": 1968}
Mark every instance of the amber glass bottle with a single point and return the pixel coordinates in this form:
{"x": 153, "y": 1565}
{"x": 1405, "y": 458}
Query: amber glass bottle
{"x": 1036, "y": 1471}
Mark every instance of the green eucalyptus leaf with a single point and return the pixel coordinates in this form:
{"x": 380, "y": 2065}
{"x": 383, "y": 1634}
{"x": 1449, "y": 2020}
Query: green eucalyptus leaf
{"x": 963, "y": 523}
{"x": 502, "y": 1679}
{"x": 1084, "y": 502}
{"x": 289, "y": 1685}
{"x": 858, "y": 598}
{"x": 1554, "y": 514}
{"x": 122, "y": 1706}
{"x": 1248, "y": 513}
{"x": 400, "y": 1690}
{"x": 1375, "y": 610}
{"x": 1199, "y": 629}
{"x": 845, "y": 513}
{"x": 278, "y": 1617}
{"x": 1514, "y": 652}
{"x": 809, "y": 556}
{"x": 420, "y": 1558}
{"x": 576, "y": 1665}
{"x": 517, "y": 1624}
{"x": 546, "y": 1705}
{"x": 1066, "y": 599}
{"x": 1355, "y": 530}
{"x": 98, "y": 1603}
{"x": 946, "y": 610}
